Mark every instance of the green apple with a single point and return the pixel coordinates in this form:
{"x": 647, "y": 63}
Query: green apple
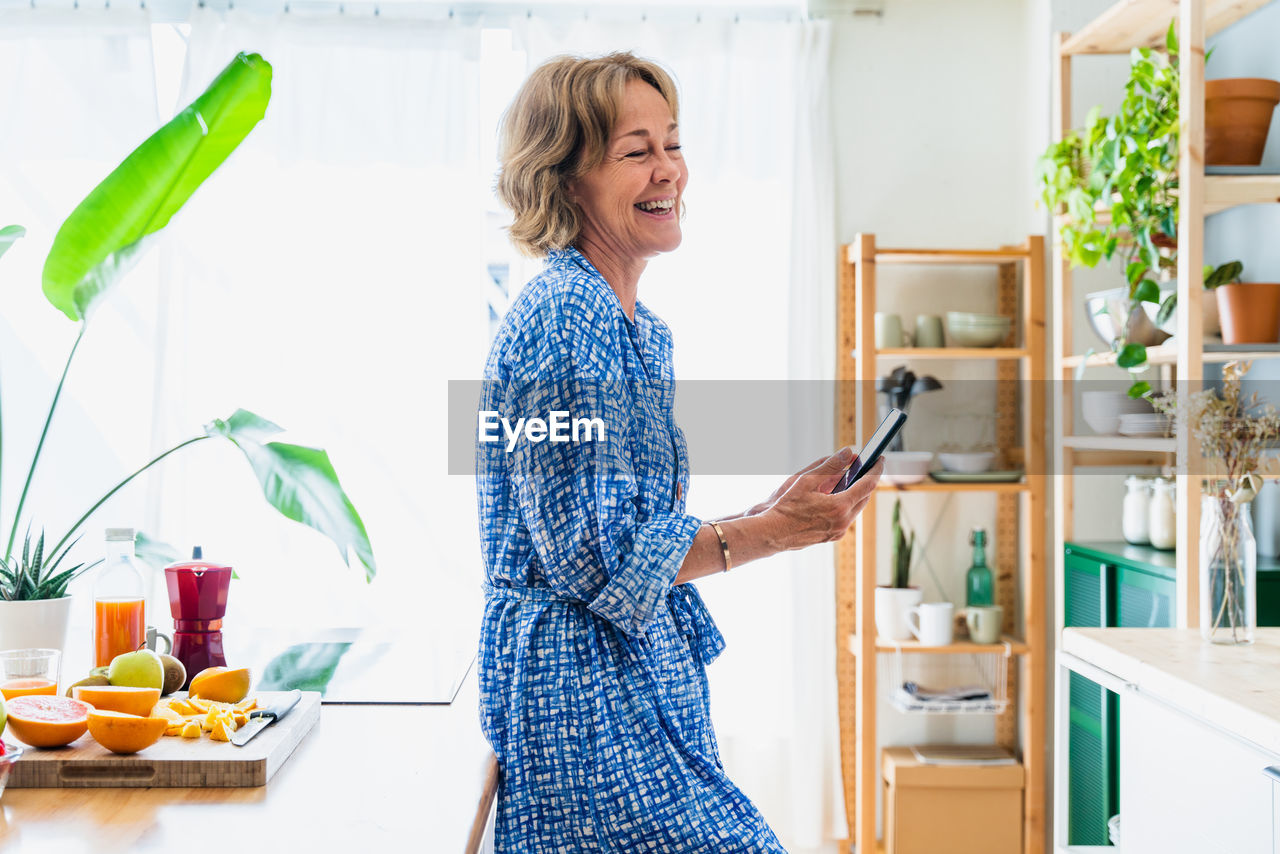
{"x": 141, "y": 669}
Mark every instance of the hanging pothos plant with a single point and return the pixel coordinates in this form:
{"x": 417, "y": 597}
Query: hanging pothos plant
{"x": 1115, "y": 184}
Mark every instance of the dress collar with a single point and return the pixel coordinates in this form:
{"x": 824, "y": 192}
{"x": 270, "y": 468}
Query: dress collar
{"x": 571, "y": 255}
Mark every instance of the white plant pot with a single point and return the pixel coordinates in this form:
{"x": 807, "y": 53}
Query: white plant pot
{"x": 892, "y": 606}
{"x": 1211, "y": 323}
{"x": 36, "y": 624}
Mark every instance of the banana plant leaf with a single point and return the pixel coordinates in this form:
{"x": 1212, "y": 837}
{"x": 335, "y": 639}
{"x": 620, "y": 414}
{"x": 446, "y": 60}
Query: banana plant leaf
{"x": 309, "y": 666}
{"x": 157, "y": 554}
{"x": 299, "y": 482}
{"x": 9, "y": 235}
{"x": 105, "y": 235}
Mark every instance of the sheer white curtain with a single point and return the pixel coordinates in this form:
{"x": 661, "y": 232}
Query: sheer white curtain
{"x": 749, "y": 296}
{"x": 330, "y": 278}
{"x": 79, "y": 94}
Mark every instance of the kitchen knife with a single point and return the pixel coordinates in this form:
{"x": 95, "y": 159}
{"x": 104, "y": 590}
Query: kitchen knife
{"x": 260, "y": 719}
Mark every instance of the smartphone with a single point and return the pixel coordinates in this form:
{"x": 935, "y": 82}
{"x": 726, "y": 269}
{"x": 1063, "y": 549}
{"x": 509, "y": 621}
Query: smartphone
{"x": 875, "y": 446}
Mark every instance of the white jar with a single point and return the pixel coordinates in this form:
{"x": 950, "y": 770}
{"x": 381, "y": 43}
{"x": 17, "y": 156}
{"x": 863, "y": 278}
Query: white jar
{"x": 1135, "y": 518}
{"x": 1162, "y": 525}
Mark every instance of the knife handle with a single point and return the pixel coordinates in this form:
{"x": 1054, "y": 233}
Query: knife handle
{"x": 280, "y": 707}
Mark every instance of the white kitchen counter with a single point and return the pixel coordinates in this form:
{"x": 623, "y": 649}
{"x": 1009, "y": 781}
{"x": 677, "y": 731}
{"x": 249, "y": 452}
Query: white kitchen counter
{"x": 1199, "y": 737}
{"x": 1234, "y": 688}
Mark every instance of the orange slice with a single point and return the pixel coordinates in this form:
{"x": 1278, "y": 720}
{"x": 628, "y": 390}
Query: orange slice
{"x": 221, "y": 684}
{"x": 45, "y": 721}
{"x": 124, "y": 733}
{"x": 116, "y": 698}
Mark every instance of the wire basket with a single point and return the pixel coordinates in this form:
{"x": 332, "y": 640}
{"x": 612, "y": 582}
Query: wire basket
{"x": 951, "y": 684}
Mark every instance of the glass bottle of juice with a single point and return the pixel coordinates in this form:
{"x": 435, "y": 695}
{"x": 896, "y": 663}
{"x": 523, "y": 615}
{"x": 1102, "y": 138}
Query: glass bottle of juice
{"x": 119, "y": 618}
{"x": 979, "y": 587}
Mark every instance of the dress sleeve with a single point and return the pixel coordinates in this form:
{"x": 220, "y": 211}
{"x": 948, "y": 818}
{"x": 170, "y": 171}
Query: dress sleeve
{"x": 597, "y": 535}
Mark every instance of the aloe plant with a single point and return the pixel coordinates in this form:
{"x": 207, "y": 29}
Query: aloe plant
{"x": 97, "y": 244}
{"x": 30, "y": 576}
{"x": 900, "y": 549}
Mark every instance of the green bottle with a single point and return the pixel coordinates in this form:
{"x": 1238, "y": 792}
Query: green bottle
{"x": 979, "y": 587}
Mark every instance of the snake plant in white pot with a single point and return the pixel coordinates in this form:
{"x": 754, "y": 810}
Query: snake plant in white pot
{"x": 97, "y": 244}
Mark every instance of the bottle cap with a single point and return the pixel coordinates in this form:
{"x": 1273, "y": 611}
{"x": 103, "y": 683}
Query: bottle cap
{"x": 116, "y": 534}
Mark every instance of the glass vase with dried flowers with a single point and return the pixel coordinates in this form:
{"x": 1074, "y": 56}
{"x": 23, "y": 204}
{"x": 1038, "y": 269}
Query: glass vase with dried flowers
{"x": 1232, "y": 431}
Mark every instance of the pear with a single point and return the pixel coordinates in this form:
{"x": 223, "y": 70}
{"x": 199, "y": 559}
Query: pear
{"x": 175, "y": 674}
{"x": 96, "y": 680}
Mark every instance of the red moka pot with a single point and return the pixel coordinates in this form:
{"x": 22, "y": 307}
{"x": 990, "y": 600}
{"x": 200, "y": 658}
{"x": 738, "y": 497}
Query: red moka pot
{"x": 198, "y": 600}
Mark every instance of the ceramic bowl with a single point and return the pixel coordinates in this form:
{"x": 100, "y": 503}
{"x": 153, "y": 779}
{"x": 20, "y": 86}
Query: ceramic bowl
{"x": 1102, "y": 409}
{"x": 972, "y": 318}
{"x": 905, "y": 467}
{"x": 970, "y": 462}
{"x": 977, "y": 330}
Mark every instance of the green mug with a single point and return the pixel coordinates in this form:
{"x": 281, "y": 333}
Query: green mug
{"x": 984, "y": 622}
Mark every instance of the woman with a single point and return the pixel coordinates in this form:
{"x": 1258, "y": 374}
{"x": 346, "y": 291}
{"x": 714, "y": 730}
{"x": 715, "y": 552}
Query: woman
{"x": 594, "y": 643}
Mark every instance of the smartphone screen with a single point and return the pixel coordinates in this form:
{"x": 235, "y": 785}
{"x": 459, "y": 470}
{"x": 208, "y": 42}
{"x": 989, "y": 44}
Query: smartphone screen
{"x": 866, "y": 458}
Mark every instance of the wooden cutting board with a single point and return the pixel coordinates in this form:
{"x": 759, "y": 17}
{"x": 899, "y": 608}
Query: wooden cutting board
{"x": 172, "y": 761}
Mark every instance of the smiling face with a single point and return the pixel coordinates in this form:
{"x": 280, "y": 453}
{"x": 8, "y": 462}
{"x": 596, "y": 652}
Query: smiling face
{"x": 630, "y": 201}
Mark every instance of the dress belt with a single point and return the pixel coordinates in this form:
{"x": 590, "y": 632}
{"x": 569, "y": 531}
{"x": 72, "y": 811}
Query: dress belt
{"x": 691, "y": 615}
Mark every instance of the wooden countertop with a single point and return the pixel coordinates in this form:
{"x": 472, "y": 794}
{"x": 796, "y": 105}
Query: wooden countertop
{"x": 367, "y": 778}
{"x": 1234, "y": 688}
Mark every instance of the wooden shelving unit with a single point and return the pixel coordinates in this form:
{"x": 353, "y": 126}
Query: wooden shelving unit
{"x": 1126, "y": 25}
{"x": 1020, "y": 566}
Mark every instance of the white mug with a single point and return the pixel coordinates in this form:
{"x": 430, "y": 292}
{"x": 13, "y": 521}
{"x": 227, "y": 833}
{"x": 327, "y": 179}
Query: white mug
{"x": 932, "y": 623}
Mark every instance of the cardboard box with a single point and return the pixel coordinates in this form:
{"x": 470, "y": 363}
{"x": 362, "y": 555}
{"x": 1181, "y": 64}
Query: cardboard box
{"x": 950, "y": 809}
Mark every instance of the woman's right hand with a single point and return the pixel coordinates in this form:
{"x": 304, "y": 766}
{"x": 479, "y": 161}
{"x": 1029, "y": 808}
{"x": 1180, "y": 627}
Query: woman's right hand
{"x": 803, "y": 511}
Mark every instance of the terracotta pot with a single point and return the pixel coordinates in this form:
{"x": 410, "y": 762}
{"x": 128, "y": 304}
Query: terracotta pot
{"x": 1237, "y": 116}
{"x": 1250, "y": 312}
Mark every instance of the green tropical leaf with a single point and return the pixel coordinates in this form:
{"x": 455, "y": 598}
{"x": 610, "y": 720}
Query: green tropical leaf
{"x": 1131, "y": 356}
{"x": 1084, "y": 363}
{"x": 107, "y": 232}
{"x": 300, "y": 483}
{"x": 1171, "y": 37}
{"x": 244, "y": 424}
{"x": 1146, "y": 291}
{"x": 154, "y": 553}
{"x": 309, "y": 666}
{"x": 1141, "y": 388}
{"x": 9, "y": 235}
{"x": 1224, "y": 275}
{"x": 1167, "y": 308}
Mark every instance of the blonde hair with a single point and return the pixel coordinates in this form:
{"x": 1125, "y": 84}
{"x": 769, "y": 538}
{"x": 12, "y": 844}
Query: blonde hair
{"x": 557, "y": 129}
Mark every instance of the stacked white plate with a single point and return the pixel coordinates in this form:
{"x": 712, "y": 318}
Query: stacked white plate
{"x": 1144, "y": 424}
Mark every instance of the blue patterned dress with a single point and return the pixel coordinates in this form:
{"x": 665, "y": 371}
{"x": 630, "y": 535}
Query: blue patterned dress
{"x": 593, "y": 688}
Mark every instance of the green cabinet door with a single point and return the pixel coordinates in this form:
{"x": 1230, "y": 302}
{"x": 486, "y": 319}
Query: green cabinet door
{"x": 1106, "y": 584}
{"x": 1144, "y": 599}
{"x": 1092, "y": 774}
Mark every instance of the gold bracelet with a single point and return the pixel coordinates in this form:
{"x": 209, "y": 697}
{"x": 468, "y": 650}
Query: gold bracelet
{"x": 724, "y": 545}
